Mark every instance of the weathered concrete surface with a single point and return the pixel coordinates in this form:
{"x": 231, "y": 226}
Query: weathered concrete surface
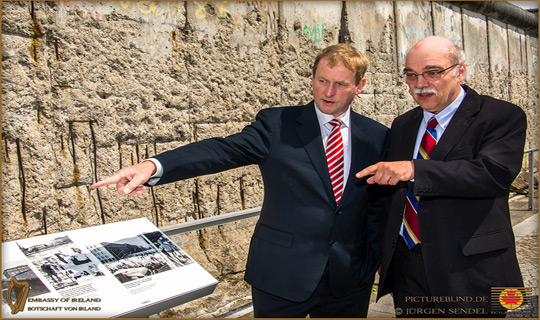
{"x": 90, "y": 87}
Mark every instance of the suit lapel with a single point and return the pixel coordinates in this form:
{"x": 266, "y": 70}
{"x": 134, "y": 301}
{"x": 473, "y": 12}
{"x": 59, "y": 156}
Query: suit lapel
{"x": 408, "y": 135}
{"x": 309, "y": 132}
{"x": 405, "y": 137}
{"x": 358, "y": 152}
{"x": 461, "y": 120}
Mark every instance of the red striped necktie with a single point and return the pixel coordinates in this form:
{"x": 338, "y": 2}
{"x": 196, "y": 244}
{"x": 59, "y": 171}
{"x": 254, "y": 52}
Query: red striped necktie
{"x": 334, "y": 157}
{"x": 410, "y": 229}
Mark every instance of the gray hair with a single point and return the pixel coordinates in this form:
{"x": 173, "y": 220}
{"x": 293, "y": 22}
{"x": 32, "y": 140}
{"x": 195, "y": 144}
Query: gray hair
{"x": 457, "y": 54}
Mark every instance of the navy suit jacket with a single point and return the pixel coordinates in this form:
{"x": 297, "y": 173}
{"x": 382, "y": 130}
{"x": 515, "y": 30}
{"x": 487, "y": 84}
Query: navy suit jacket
{"x": 463, "y": 214}
{"x": 300, "y": 229}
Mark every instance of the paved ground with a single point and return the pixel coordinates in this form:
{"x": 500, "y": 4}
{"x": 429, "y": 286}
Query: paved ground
{"x": 525, "y": 223}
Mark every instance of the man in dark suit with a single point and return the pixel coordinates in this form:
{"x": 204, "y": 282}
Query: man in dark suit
{"x": 314, "y": 248}
{"x": 443, "y": 259}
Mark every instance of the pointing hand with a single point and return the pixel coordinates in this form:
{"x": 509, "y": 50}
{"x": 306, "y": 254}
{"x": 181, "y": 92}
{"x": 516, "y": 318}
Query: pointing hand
{"x": 388, "y": 173}
{"x": 129, "y": 180}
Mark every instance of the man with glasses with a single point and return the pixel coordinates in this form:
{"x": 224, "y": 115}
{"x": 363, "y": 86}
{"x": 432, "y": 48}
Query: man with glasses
{"x": 447, "y": 238}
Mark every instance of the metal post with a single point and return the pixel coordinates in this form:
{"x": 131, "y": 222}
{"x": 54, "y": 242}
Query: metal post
{"x": 531, "y": 180}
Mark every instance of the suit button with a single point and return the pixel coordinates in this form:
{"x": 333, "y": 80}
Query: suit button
{"x": 339, "y": 213}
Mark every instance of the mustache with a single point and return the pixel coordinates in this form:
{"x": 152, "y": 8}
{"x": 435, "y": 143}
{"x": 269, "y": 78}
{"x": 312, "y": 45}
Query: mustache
{"x": 425, "y": 90}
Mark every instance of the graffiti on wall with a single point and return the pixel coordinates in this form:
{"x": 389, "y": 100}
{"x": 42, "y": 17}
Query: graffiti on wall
{"x": 315, "y": 34}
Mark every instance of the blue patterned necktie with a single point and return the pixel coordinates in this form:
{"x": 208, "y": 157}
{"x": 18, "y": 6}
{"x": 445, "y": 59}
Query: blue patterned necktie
{"x": 410, "y": 229}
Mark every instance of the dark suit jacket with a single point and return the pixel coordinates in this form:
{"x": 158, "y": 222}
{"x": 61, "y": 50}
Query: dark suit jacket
{"x": 467, "y": 239}
{"x": 300, "y": 228}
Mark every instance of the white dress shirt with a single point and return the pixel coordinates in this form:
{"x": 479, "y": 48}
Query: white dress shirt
{"x": 326, "y": 128}
{"x": 443, "y": 119}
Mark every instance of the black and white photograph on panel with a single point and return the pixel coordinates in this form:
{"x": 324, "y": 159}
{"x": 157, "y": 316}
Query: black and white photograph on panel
{"x": 22, "y": 273}
{"x": 131, "y": 259}
{"x": 167, "y": 247}
{"x": 61, "y": 262}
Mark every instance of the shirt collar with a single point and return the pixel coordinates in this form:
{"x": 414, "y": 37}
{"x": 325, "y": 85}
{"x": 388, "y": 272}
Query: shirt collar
{"x": 444, "y": 117}
{"x": 325, "y": 118}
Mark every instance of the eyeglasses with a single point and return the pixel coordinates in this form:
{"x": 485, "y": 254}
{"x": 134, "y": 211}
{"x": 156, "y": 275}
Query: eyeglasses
{"x": 431, "y": 75}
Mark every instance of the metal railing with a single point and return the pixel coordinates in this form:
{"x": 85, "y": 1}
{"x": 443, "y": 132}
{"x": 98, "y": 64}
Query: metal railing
{"x": 249, "y": 213}
{"x": 210, "y": 221}
{"x": 530, "y": 153}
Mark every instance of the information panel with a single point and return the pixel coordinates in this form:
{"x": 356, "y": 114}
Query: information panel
{"x": 123, "y": 269}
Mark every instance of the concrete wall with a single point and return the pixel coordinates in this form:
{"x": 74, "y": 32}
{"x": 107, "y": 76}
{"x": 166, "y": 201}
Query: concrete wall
{"x": 90, "y": 87}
